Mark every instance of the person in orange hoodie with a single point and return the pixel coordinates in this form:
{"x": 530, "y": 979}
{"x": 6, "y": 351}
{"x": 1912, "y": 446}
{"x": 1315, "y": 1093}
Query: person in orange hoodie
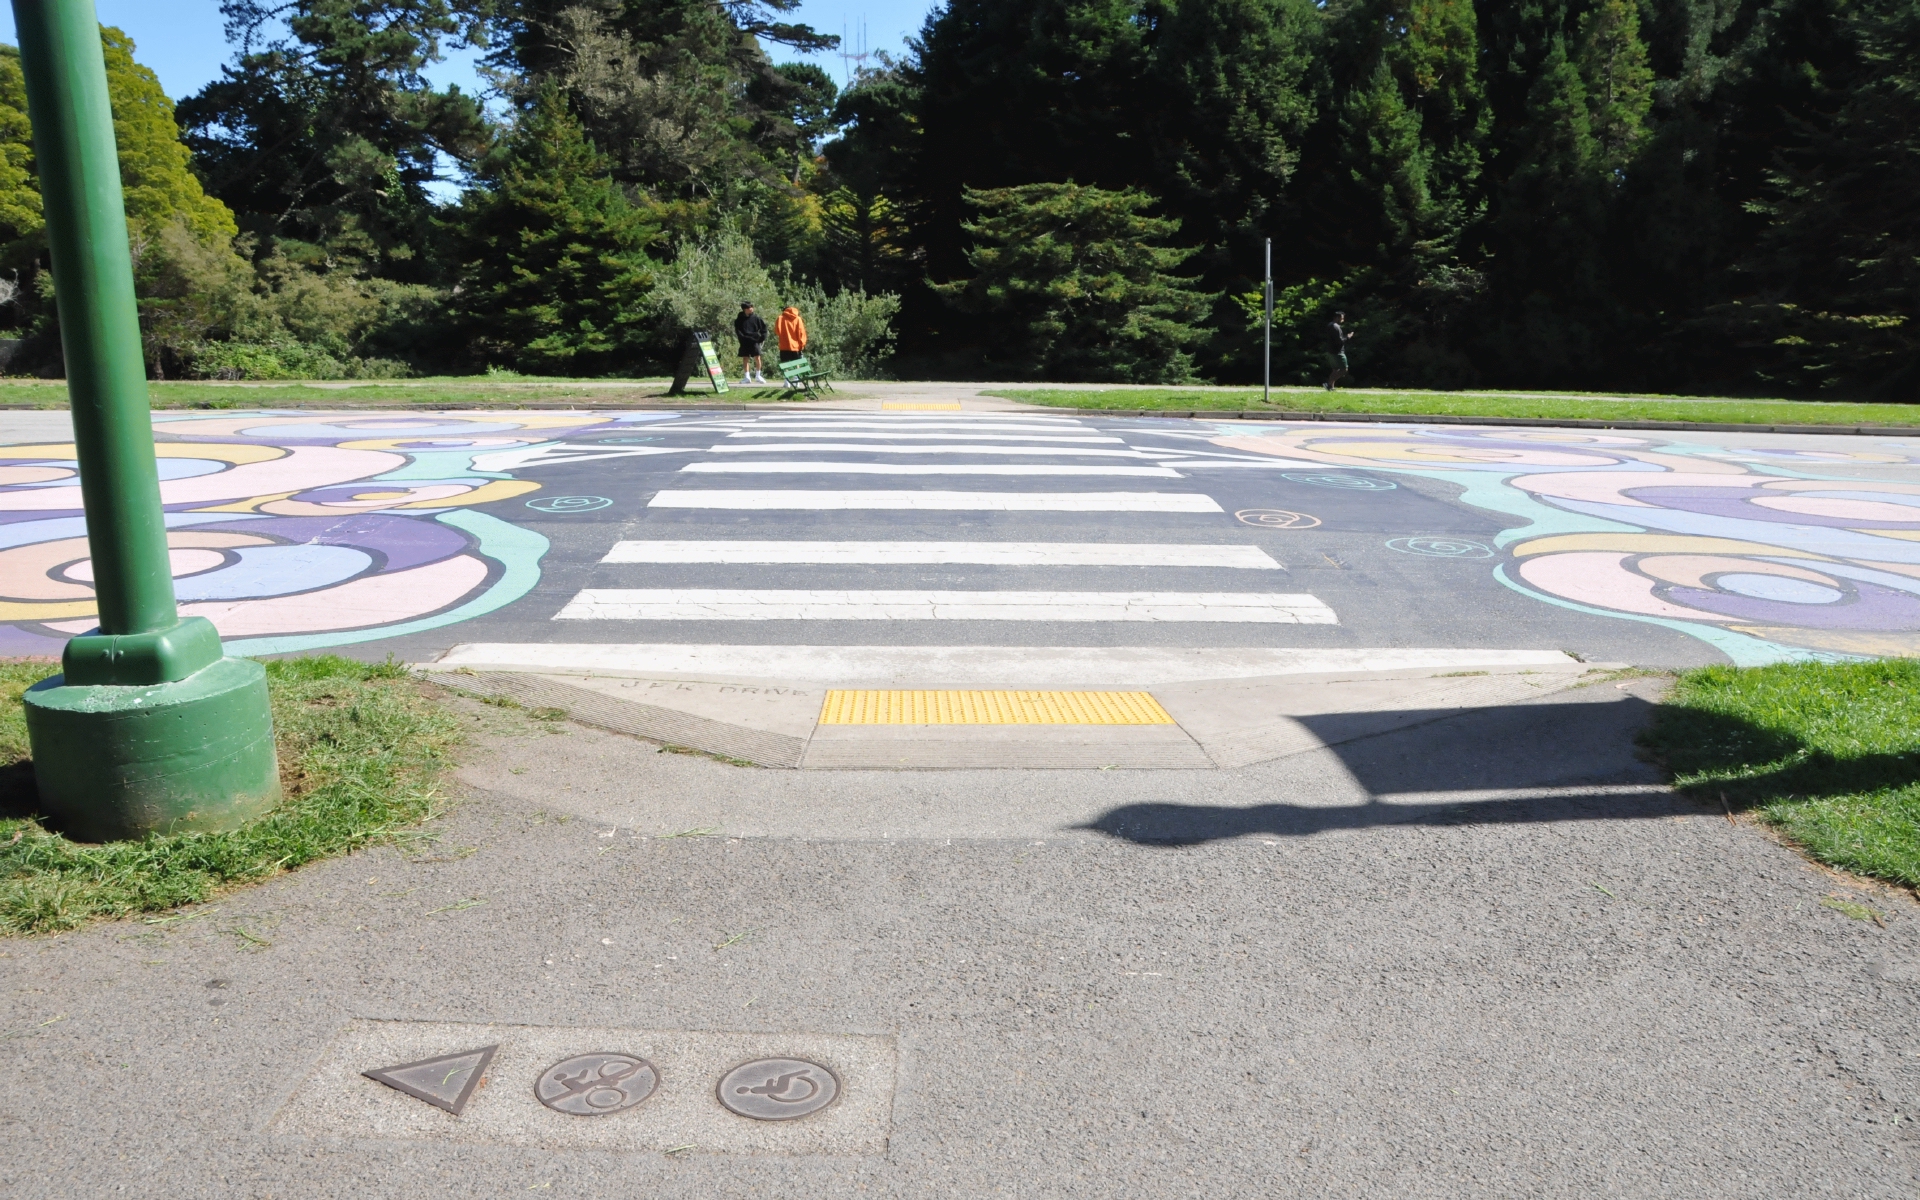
{"x": 791, "y": 332}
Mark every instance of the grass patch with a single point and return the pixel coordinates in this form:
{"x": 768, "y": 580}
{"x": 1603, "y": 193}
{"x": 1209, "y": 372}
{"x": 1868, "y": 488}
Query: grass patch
{"x": 1828, "y": 753}
{"x": 1545, "y": 406}
{"x": 361, "y": 749}
{"x": 386, "y": 393}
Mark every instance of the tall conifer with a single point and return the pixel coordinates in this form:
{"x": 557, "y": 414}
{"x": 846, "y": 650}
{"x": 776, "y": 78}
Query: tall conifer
{"x": 556, "y": 273}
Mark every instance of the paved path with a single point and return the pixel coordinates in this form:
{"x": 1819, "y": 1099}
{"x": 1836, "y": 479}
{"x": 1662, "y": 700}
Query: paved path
{"x": 1389, "y": 967}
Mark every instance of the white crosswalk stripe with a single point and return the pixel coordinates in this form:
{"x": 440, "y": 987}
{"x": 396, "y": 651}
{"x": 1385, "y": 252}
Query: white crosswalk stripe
{"x": 1048, "y": 438}
{"x": 1011, "y": 554}
{"x": 944, "y": 448}
{"x": 947, "y": 468}
{"x": 944, "y": 501}
{"x": 729, "y": 604}
{"x": 895, "y": 427}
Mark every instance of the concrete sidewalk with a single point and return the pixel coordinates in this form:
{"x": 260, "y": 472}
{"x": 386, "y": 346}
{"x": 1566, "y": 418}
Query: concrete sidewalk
{"x": 1435, "y": 959}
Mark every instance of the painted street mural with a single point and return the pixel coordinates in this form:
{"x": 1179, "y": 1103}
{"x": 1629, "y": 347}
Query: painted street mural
{"x": 1754, "y": 551}
{"x": 292, "y": 532}
{"x": 300, "y": 531}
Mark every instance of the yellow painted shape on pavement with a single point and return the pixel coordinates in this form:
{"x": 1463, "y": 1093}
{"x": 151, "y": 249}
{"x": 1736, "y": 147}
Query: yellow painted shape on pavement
{"x": 853, "y": 707}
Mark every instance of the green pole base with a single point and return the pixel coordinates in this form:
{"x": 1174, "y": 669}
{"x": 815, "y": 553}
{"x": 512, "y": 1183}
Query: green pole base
{"x": 115, "y": 762}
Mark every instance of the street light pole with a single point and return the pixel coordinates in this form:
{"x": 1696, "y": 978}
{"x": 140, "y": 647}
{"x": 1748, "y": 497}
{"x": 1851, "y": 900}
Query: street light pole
{"x": 1266, "y": 372}
{"x": 148, "y": 728}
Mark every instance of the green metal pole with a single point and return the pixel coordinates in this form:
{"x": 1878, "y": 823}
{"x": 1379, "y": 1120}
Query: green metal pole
{"x": 148, "y": 728}
{"x": 79, "y": 171}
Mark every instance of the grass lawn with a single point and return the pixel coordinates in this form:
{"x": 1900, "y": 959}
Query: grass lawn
{"x": 1828, "y": 754}
{"x": 1561, "y": 406}
{"x": 361, "y": 749}
{"x": 408, "y": 393}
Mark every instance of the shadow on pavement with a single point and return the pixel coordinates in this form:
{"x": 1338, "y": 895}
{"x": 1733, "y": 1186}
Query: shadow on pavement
{"x": 1587, "y": 742}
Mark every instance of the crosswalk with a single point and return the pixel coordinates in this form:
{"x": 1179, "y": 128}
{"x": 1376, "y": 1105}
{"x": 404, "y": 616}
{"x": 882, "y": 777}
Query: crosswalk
{"x": 828, "y": 578}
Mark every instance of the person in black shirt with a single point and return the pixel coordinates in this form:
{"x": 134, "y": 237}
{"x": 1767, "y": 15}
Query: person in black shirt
{"x": 1337, "y": 339}
{"x": 752, "y": 332}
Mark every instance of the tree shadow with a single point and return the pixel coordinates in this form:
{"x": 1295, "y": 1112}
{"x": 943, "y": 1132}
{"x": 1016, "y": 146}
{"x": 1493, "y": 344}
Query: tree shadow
{"x": 1194, "y": 824}
{"x": 1562, "y": 746}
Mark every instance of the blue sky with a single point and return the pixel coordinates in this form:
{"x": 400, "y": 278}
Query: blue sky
{"x": 183, "y": 42}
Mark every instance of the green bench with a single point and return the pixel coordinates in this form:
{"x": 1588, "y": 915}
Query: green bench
{"x": 802, "y": 378}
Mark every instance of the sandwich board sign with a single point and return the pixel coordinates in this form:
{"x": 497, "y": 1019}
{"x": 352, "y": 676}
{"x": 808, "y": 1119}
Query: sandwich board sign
{"x": 698, "y": 355}
{"x": 710, "y": 358}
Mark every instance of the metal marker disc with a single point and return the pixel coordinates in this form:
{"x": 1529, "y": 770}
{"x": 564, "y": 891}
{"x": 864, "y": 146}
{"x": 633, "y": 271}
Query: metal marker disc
{"x": 778, "y": 1089}
{"x": 594, "y": 1085}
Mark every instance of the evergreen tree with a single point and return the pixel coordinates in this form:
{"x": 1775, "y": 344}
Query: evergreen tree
{"x": 22, "y": 214}
{"x": 556, "y": 274}
{"x": 1618, "y": 83}
{"x": 169, "y": 215}
{"x": 156, "y": 174}
{"x": 1833, "y": 296}
{"x": 331, "y": 136}
{"x": 679, "y": 93}
{"x": 1077, "y": 283}
{"x": 1394, "y": 187}
{"x": 875, "y": 211}
{"x": 156, "y": 171}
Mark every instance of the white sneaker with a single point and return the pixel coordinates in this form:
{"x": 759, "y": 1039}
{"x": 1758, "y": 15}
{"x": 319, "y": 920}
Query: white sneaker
{"x": 746, "y": 381}
{"x": 760, "y": 379}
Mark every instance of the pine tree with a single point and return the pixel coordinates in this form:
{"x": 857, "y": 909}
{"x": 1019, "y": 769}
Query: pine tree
{"x": 329, "y": 137}
{"x": 1618, "y": 83}
{"x": 556, "y": 272}
{"x": 1833, "y": 283}
{"x": 1078, "y": 283}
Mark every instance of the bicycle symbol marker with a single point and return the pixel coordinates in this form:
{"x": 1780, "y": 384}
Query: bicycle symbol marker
{"x": 594, "y": 1085}
{"x": 778, "y": 1089}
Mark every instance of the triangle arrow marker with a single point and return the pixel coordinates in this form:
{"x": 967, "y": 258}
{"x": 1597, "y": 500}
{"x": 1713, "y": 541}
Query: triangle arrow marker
{"x": 446, "y": 1082}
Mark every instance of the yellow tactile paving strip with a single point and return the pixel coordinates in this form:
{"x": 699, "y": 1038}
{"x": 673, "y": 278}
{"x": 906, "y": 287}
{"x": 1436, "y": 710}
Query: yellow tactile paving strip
{"x": 851, "y": 707}
{"x": 889, "y": 407}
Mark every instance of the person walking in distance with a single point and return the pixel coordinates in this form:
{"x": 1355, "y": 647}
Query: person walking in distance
{"x": 1337, "y": 339}
{"x": 791, "y": 332}
{"x": 751, "y": 329}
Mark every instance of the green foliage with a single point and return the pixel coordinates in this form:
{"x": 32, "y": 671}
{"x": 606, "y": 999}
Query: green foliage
{"x": 331, "y": 134}
{"x": 155, "y": 173}
{"x": 361, "y": 749}
{"x": 1827, "y": 752}
{"x": 678, "y": 93}
{"x": 1301, "y": 312}
{"x": 707, "y": 282}
{"x": 285, "y": 359}
{"x": 850, "y": 332}
{"x": 21, "y": 211}
{"x": 1837, "y": 267}
{"x": 1078, "y": 283}
{"x": 556, "y": 267}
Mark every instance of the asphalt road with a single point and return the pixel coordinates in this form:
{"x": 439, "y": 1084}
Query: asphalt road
{"x": 378, "y": 533}
{"x": 1338, "y": 549}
